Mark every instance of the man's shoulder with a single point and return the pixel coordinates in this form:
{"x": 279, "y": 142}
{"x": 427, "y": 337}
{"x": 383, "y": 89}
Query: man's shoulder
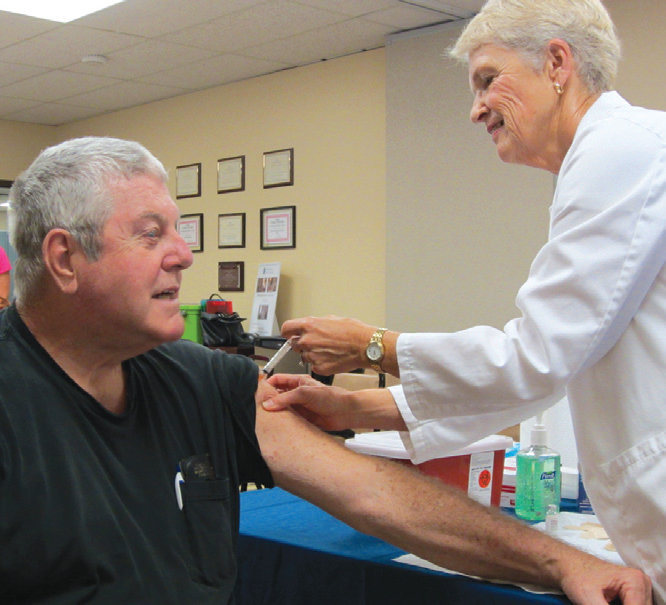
{"x": 198, "y": 359}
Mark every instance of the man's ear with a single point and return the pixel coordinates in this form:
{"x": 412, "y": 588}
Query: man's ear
{"x": 58, "y": 249}
{"x": 559, "y": 61}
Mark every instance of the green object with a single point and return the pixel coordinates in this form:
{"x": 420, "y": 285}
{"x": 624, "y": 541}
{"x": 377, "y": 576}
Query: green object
{"x": 538, "y": 478}
{"x": 192, "y": 315}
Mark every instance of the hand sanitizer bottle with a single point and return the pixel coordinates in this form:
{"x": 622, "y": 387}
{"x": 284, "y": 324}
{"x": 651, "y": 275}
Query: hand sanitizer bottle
{"x": 538, "y": 477}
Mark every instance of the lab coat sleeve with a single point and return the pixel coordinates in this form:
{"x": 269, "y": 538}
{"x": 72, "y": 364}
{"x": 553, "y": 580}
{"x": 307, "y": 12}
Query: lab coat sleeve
{"x": 606, "y": 245}
{"x": 438, "y": 437}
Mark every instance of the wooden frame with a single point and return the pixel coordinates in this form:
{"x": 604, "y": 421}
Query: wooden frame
{"x": 188, "y": 181}
{"x": 231, "y": 276}
{"x": 278, "y": 168}
{"x": 278, "y": 227}
{"x": 231, "y": 174}
{"x": 231, "y": 230}
{"x": 190, "y": 228}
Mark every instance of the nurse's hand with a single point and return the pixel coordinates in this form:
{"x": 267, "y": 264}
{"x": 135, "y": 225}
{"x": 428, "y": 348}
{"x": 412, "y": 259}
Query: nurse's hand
{"x": 332, "y": 345}
{"x": 332, "y": 408}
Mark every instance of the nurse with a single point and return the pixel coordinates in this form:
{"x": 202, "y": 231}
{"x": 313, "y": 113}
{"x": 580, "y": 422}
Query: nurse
{"x": 592, "y": 322}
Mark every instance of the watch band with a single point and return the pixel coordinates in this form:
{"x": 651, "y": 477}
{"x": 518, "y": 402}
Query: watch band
{"x": 378, "y": 338}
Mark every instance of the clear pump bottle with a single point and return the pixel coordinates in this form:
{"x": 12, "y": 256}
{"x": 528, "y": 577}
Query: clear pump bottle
{"x": 538, "y": 477}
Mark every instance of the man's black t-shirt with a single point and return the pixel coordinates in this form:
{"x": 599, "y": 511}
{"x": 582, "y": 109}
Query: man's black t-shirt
{"x": 88, "y": 507}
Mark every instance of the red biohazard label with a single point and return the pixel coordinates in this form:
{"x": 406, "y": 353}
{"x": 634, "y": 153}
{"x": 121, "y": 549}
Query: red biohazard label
{"x": 484, "y": 478}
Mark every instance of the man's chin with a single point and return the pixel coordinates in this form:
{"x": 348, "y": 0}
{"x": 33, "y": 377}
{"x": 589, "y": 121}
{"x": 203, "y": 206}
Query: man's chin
{"x": 170, "y": 330}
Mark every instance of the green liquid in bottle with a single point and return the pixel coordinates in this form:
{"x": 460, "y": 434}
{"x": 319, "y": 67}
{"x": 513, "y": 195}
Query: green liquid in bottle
{"x": 538, "y": 482}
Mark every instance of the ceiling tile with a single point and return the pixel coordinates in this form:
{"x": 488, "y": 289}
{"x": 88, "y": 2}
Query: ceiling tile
{"x": 407, "y": 16}
{"x": 65, "y": 45}
{"x": 13, "y": 72}
{"x": 124, "y": 94}
{"x": 149, "y": 18}
{"x": 54, "y": 85}
{"x": 256, "y": 25}
{"x": 16, "y": 28}
{"x": 52, "y": 114}
{"x": 351, "y": 8}
{"x": 341, "y": 39}
{"x": 9, "y": 105}
{"x": 142, "y": 59}
{"x": 214, "y": 71}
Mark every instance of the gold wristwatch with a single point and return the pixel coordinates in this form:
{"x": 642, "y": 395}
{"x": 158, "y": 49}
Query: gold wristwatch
{"x": 375, "y": 350}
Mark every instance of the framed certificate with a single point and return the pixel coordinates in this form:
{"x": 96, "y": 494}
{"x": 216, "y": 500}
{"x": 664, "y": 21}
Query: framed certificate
{"x": 279, "y": 168}
{"x": 188, "y": 181}
{"x": 231, "y": 174}
{"x": 190, "y": 228}
{"x": 278, "y": 227}
{"x": 231, "y": 230}
{"x": 231, "y": 276}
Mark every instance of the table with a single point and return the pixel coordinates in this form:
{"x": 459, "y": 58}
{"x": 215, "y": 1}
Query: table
{"x": 293, "y": 553}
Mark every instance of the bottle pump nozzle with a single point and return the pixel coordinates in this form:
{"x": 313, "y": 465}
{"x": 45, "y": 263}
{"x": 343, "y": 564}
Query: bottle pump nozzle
{"x": 538, "y": 434}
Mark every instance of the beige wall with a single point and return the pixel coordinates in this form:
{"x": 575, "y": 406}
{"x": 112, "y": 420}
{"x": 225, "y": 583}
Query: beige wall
{"x": 463, "y": 227}
{"x": 459, "y": 236}
{"x": 333, "y": 115}
{"x": 19, "y": 144}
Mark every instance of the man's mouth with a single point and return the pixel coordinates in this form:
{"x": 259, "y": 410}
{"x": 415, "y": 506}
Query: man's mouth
{"x": 169, "y": 294}
{"x": 494, "y": 126}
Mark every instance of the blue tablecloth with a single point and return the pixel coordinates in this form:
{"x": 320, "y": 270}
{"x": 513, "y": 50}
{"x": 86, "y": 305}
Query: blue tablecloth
{"x": 293, "y": 553}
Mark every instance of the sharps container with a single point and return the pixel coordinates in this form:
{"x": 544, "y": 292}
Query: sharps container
{"x": 192, "y": 315}
{"x": 476, "y": 469}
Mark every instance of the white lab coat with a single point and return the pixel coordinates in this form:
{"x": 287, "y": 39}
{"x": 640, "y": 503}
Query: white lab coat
{"x": 592, "y": 326}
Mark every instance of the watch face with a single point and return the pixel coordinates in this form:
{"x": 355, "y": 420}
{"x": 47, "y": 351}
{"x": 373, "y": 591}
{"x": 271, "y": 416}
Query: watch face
{"x": 374, "y": 351}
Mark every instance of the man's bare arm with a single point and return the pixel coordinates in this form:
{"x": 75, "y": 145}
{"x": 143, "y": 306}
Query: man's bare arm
{"x": 423, "y": 516}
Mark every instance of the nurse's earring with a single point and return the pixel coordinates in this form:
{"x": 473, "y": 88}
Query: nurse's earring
{"x": 558, "y": 88}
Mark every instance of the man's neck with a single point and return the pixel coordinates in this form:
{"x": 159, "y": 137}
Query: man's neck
{"x": 97, "y": 371}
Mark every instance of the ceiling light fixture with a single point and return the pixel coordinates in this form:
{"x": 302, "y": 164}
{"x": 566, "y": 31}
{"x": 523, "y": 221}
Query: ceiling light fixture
{"x": 62, "y": 11}
{"x": 100, "y": 59}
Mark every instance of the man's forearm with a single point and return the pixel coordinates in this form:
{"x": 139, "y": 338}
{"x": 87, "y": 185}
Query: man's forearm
{"x": 457, "y": 532}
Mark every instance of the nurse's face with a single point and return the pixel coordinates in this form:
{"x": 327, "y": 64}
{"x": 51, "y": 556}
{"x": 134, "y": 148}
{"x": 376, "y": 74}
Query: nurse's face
{"x": 516, "y": 103}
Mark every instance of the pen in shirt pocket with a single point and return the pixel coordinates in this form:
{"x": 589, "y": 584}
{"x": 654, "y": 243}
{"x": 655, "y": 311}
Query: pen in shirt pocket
{"x": 193, "y": 468}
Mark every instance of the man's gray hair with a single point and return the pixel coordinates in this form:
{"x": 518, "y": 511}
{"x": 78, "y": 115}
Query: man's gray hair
{"x": 67, "y": 187}
{"x": 527, "y": 26}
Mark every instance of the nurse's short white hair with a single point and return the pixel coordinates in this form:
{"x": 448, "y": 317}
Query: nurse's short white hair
{"x": 69, "y": 186}
{"x": 528, "y": 25}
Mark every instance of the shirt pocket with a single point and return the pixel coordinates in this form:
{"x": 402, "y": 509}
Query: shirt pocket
{"x": 206, "y": 509}
{"x": 636, "y": 509}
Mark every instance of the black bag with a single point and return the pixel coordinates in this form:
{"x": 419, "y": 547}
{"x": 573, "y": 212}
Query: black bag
{"x": 222, "y": 330}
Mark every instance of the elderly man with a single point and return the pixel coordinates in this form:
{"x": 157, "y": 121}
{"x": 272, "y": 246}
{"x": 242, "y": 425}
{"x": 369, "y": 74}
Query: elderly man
{"x": 122, "y": 447}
